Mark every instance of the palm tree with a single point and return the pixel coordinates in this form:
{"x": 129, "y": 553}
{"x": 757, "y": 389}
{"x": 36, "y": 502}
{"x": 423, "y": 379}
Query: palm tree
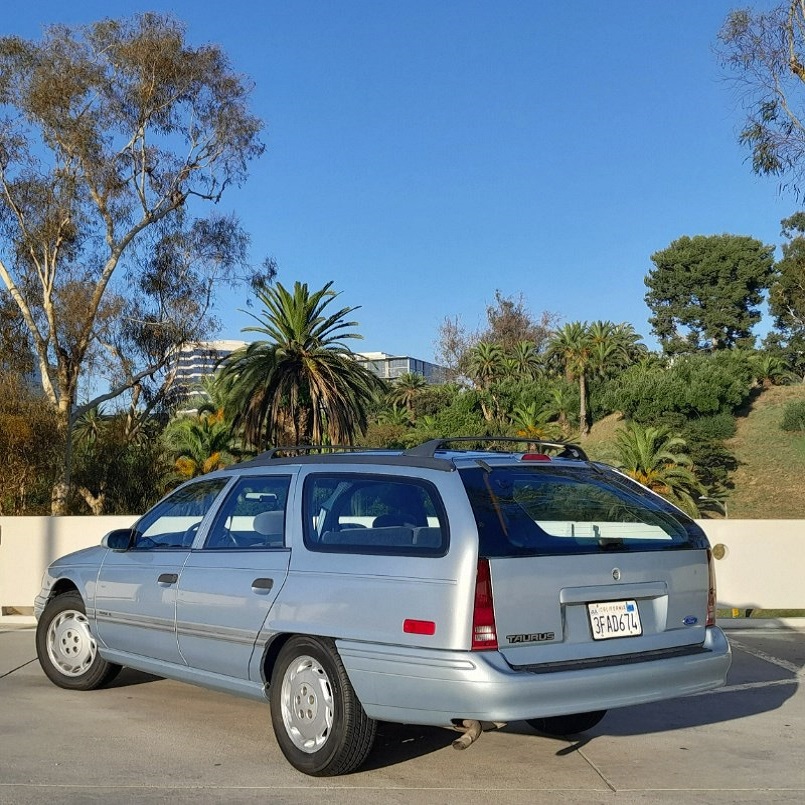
{"x": 303, "y": 384}
{"x": 200, "y": 444}
{"x": 653, "y": 456}
{"x": 532, "y": 423}
{"x": 526, "y": 359}
{"x": 407, "y": 387}
{"x": 486, "y": 363}
{"x": 562, "y": 404}
{"x": 614, "y": 346}
{"x": 572, "y": 348}
{"x": 394, "y": 416}
{"x": 770, "y": 370}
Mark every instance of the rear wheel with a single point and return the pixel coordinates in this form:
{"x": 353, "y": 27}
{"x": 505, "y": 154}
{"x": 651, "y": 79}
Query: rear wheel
{"x": 66, "y": 648}
{"x": 559, "y": 726}
{"x": 320, "y": 725}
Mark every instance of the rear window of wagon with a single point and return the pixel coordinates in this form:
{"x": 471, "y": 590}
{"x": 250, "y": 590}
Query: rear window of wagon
{"x": 533, "y": 511}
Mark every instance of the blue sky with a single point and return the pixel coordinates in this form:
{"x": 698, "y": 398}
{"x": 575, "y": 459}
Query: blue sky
{"x": 423, "y": 154}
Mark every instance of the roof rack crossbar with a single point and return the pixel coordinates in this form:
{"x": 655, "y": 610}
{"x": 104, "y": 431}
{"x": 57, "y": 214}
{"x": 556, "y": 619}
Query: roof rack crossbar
{"x": 310, "y": 448}
{"x": 429, "y": 448}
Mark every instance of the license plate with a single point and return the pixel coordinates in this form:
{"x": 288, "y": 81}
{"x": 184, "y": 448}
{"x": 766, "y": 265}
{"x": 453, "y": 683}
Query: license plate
{"x": 614, "y": 619}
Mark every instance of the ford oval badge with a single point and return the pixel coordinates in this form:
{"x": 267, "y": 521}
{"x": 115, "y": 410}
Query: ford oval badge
{"x": 689, "y": 620}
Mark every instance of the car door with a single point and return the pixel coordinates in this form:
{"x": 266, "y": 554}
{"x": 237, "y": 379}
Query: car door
{"x": 228, "y": 586}
{"x": 135, "y": 600}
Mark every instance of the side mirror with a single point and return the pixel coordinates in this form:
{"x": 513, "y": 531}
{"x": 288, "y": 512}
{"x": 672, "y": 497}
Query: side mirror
{"x": 118, "y": 540}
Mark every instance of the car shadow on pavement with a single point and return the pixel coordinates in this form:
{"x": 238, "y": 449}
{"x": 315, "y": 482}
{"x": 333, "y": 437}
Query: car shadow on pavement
{"x": 398, "y": 743}
{"x": 676, "y": 714}
{"x": 128, "y": 677}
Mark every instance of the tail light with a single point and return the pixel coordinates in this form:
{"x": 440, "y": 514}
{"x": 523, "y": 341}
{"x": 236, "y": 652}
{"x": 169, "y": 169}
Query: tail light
{"x": 484, "y": 634}
{"x": 711, "y": 590}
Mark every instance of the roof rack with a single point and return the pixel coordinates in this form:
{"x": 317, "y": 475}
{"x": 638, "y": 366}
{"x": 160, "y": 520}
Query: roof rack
{"x": 306, "y": 449}
{"x": 428, "y": 449}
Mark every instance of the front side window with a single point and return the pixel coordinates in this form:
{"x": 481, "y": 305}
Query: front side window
{"x": 253, "y": 515}
{"x": 544, "y": 512}
{"x": 357, "y": 513}
{"x": 173, "y": 523}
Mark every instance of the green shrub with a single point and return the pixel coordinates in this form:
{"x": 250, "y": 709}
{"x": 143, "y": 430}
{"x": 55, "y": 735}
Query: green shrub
{"x": 794, "y": 416}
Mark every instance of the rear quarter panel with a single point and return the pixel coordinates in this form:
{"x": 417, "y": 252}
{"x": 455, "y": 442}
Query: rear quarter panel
{"x": 368, "y": 597}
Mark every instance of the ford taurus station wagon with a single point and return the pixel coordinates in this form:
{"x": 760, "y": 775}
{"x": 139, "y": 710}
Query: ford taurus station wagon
{"x": 459, "y": 587}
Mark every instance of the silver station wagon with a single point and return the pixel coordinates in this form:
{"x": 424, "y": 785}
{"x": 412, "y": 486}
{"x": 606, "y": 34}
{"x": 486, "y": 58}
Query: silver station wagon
{"x": 463, "y": 587}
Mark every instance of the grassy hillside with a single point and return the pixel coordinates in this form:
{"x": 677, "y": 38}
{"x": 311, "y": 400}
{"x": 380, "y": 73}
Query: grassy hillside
{"x": 770, "y": 479}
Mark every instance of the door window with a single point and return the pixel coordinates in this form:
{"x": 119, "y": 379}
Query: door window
{"x": 173, "y": 523}
{"x": 253, "y": 515}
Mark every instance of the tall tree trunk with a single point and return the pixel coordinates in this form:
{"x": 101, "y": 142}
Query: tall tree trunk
{"x": 584, "y": 424}
{"x": 60, "y": 491}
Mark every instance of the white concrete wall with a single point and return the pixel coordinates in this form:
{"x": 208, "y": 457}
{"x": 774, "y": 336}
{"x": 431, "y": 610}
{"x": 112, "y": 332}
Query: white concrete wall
{"x": 763, "y": 566}
{"x": 764, "y": 563}
{"x": 29, "y": 544}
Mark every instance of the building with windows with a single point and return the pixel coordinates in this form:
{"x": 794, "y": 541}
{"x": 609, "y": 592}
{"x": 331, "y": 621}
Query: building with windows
{"x": 390, "y": 367}
{"x": 198, "y": 360}
{"x": 194, "y": 362}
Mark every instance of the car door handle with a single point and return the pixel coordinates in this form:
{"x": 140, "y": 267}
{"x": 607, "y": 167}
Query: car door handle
{"x": 168, "y": 578}
{"x": 262, "y": 586}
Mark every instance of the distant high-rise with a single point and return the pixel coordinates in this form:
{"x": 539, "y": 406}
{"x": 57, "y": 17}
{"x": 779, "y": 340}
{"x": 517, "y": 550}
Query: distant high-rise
{"x": 196, "y": 361}
{"x": 390, "y": 367}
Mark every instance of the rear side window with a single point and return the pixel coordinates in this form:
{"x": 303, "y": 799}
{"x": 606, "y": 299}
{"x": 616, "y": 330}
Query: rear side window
{"x": 252, "y": 516}
{"x": 373, "y": 514}
{"x": 547, "y": 512}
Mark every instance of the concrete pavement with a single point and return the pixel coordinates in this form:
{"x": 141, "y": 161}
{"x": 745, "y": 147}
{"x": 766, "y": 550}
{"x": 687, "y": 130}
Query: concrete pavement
{"x": 146, "y": 740}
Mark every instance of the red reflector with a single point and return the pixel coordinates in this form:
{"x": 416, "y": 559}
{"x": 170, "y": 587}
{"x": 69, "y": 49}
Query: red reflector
{"x": 419, "y": 627}
{"x": 484, "y": 634}
{"x": 535, "y": 457}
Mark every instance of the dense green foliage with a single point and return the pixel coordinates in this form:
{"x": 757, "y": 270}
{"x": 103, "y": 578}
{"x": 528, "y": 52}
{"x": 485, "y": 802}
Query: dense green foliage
{"x": 691, "y": 387}
{"x": 794, "y": 416}
{"x": 705, "y": 292}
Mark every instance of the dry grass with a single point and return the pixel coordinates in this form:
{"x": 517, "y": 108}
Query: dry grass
{"x": 770, "y": 479}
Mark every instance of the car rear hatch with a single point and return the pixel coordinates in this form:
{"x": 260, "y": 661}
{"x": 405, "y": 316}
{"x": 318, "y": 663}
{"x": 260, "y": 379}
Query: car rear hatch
{"x": 585, "y": 565}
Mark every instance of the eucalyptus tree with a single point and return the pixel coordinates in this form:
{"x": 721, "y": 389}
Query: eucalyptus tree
{"x": 302, "y": 384}
{"x": 764, "y": 52}
{"x": 112, "y": 137}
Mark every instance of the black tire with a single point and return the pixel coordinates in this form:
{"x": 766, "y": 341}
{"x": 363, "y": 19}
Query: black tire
{"x": 320, "y": 725}
{"x": 561, "y": 726}
{"x": 66, "y": 648}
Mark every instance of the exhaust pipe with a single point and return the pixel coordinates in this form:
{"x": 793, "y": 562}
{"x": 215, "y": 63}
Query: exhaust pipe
{"x": 471, "y": 731}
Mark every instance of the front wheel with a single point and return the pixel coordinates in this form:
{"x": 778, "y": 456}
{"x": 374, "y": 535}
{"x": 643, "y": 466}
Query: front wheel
{"x": 320, "y": 725}
{"x": 66, "y": 648}
{"x": 560, "y": 726}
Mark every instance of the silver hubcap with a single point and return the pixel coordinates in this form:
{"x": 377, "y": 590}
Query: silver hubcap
{"x": 71, "y": 646}
{"x": 307, "y": 704}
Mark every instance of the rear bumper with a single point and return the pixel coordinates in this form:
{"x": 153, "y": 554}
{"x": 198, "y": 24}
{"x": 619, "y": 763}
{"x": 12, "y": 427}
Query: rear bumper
{"x": 419, "y": 686}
